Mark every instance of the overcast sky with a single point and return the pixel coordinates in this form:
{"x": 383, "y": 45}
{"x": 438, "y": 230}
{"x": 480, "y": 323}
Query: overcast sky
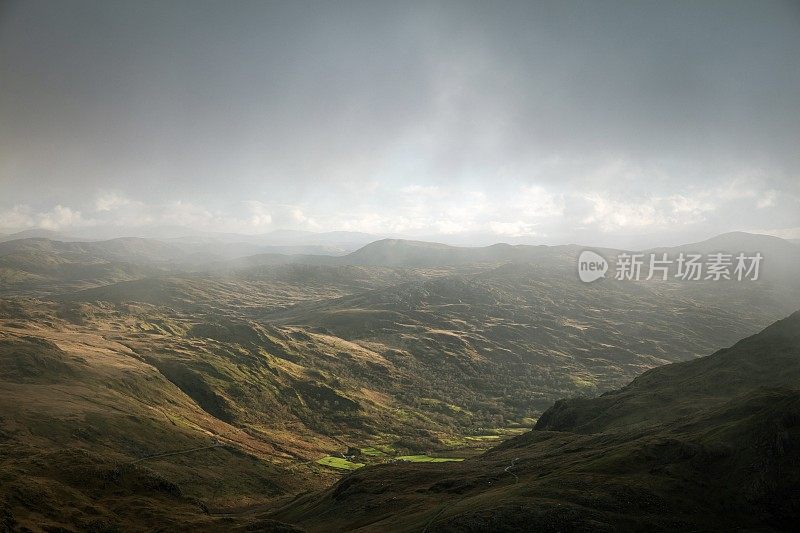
{"x": 559, "y": 121}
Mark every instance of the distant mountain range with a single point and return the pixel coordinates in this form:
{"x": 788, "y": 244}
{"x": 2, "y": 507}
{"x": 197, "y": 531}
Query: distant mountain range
{"x": 47, "y": 256}
{"x": 317, "y": 243}
{"x": 780, "y": 257}
{"x": 224, "y": 244}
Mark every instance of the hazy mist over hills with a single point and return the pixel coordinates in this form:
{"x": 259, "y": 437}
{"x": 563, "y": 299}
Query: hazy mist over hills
{"x": 454, "y": 266}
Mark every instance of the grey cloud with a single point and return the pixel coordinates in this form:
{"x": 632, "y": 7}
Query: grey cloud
{"x": 336, "y": 108}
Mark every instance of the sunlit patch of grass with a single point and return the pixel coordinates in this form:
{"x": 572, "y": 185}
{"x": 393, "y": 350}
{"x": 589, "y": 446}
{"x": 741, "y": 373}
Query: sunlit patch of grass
{"x": 370, "y": 451}
{"x": 338, "y": 462}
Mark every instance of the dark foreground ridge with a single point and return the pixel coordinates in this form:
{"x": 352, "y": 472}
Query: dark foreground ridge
{"x": 709, "y": 444}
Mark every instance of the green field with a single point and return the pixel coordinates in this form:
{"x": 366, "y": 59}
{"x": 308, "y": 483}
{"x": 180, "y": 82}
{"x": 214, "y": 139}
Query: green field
{"x": 338, "y": 462}
{"x": 372, "y": 452}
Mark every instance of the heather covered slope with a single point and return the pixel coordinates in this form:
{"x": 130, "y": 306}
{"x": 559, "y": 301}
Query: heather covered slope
{"x": 711, "y": 444}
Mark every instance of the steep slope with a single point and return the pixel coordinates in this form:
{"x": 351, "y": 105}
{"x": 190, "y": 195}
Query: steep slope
{"x": 768, "y": 359}
{"x": 93, "y": 438}
{"x": 711, "y": 444}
